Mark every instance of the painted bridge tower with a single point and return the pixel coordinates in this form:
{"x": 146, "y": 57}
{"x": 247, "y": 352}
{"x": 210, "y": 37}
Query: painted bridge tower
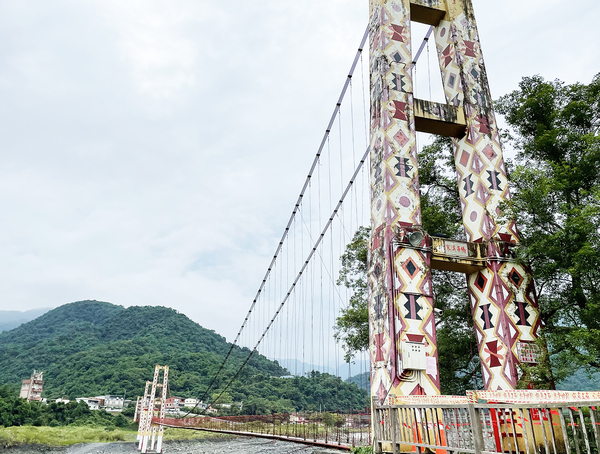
{"x": 403, "y": 342}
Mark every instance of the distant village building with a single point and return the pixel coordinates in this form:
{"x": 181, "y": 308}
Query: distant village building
{"x": 114, "y": 402}
{"x": 91, "y": 402}
{"x": 111, "y": 403}
{"x": 297, "y": 418}
{"x": 64, "y": 401}
{"x": 190, "y": 403}
{"x": 174, "y": 403}
{"x": 32, "y": 389}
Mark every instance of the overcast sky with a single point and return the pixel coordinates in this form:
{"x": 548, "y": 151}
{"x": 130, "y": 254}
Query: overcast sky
{"x": 152, "y": 151}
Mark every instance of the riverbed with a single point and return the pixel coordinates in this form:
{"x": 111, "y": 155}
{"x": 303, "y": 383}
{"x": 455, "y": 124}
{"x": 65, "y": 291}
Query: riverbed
{"x": 229, "y": 445}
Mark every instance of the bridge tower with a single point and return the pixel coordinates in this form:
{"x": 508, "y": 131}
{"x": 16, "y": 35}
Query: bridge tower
{"x": 147, "y": 433}
{"x": 502, "y": 296}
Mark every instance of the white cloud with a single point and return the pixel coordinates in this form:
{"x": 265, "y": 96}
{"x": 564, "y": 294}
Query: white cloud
{"x": 151, "y": 39}
{"x": 152, "y": 151}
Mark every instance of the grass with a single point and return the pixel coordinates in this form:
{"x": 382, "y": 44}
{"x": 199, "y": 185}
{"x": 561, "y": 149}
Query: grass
{"x": 362, "y": 450}
{"x": 70, "y": 435}
{"x": 188, "y": 434}
{"x": 61, "y": 436}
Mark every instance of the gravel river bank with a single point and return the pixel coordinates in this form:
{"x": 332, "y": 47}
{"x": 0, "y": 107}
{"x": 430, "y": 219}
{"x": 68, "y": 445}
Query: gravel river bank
{"x": 230, "y": 445}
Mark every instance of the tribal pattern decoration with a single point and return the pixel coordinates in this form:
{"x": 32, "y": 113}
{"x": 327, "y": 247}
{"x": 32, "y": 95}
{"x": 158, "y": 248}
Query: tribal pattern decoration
{"x": 502, "y": 295}
{"x": 399, "y": 278}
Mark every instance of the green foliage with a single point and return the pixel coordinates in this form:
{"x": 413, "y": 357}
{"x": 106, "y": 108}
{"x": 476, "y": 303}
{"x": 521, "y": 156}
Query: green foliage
{"x": 362, "y": 450}
{"x": 18, "y": 412}
{"x": 556, "y": 202}
{"x": 314, "y": 392}
{"x": 11, "y": 319}
{"x": 64, "y": 436}
{"x": 580, "y": 381}
{"x": 91, "y": 348}
{"x": 362, "y": 380}
{"x": 440, "y": 200}
{"x": 60, "y": 436}
{"x": 129, "y": 410}
{"x": 333, "y": 419}
{"x": 352, "y": 327}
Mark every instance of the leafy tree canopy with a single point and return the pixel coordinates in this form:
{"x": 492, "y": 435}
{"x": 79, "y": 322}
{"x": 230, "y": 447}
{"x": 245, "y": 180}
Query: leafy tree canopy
{"x": 556, "y": 202}
{"x": 16, "y": 412}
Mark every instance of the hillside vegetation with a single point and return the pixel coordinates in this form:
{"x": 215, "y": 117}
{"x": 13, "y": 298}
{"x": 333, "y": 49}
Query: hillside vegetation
{"x": 92, "y": 348}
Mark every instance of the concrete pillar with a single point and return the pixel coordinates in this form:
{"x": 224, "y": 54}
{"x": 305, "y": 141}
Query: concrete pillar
{"x": 401, "y": 300}
{"x": 502, "y": 295}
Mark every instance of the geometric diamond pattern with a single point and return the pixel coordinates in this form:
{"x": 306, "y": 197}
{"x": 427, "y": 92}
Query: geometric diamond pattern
{"x": 486, "y": 316}
{"x": 515, "y": 277}
{"x": 410, "y": 267}
{"x": 480, "y": 282}
{"x": 399, "y": 283}
{"x": 495, "y": 358}
{"x": 377, "y": 270}
{"x": 378, "y": 307}
{"x": 522, "y": 313}
{"x": 504, "y": 308}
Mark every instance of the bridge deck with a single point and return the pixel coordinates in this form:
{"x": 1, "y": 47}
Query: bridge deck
{"x": 304, "y": 441}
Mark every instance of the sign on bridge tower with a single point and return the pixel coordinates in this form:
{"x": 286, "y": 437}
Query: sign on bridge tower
{"x": 502, "y": 296}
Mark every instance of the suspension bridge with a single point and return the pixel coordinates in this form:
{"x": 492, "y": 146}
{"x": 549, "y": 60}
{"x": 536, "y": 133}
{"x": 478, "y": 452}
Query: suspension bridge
{"x": 365, "y": 173}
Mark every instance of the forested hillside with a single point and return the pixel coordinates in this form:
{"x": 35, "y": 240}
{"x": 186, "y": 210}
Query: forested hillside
{"x": 92, "y": 348}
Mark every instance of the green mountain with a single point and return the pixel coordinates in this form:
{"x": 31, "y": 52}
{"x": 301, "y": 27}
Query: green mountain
{"x": 363, "y": 380}
{"x": 580, "y": 381}
{"x": 12, "y": 319}
{"x": 92, "y": 348}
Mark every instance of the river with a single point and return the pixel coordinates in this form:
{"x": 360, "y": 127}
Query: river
{"x": 237, "y": 445}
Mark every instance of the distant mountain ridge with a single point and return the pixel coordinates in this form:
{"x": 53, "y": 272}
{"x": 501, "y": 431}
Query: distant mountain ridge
{"x": 90, "y": 348}
{"x": 94, "y": 347}
{"x": 341, "y": 369}
{"x": 11, "y": 319}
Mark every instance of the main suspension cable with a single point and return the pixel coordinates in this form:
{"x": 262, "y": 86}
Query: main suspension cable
{"x": 294, "y": 212}
{"x": 291, "y": 220}
{"x": 299, "y": 275}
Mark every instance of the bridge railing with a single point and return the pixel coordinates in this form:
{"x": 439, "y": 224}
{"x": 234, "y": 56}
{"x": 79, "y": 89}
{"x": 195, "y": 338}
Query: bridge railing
{"x": 351, "y": 430}
{"x": 488, "y": 428}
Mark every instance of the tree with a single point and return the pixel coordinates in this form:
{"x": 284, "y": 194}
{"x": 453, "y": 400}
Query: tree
{"x": 556, "y": 202}
{"x": 440, "y": 207}
{"x": 223, "y": 398}
{"x": 352, "y": 326}
{"x": 332, "y": 419}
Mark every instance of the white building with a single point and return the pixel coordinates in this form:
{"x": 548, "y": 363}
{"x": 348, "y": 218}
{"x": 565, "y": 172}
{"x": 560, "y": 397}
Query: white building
{"x": 190, "y": 402}
{"x": 114, "y": 402}
{"x": 91, "y": 402}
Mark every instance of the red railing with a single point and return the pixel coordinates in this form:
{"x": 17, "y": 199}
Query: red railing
{"x": 335, "y": 430}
